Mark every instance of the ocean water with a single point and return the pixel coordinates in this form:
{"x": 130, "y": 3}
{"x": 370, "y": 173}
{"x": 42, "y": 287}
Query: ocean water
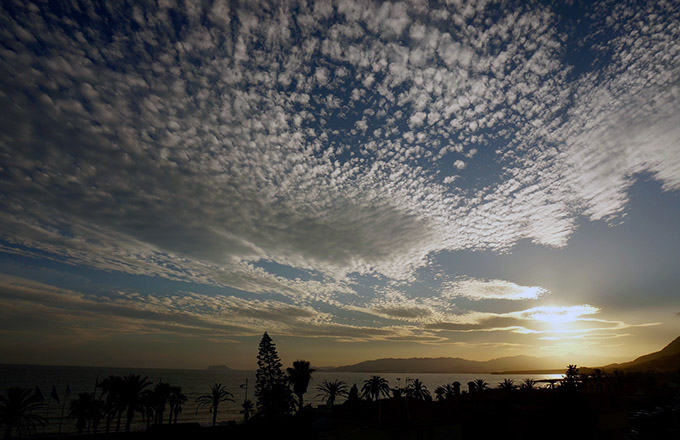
{"x": 197, "y": 382}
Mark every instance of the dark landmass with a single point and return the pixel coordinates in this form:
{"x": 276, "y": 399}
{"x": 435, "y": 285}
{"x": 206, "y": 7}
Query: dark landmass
{"x": 448, "y": 365}
{"x": 219, "y": 368}
{"x": 667, "y": 359}
{"x": 324, "y": 368}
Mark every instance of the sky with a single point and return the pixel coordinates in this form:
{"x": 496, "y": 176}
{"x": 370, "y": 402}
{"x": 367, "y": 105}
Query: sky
{"x": 359, "y": 179}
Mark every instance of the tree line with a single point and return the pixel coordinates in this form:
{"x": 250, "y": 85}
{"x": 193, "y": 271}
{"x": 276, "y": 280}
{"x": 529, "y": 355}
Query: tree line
{"x": 118, "y": 399}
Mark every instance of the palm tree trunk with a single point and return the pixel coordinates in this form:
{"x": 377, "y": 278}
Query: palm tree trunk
{"x": 128, "y": 422}
{"x": 215, "y": 416}
{"x": 120, "y": 416}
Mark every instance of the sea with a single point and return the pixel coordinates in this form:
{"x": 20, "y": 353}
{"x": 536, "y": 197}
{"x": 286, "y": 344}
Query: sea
{"x": 197, "y": 382}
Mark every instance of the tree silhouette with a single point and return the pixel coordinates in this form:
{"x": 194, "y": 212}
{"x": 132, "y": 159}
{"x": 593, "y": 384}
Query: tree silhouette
{"x": 299, "y": 376}
{"x": 528, "y": 384}
{"x": 148, "y": 404}
{"x": 375, "y": 387}
{"x": 17, "y": 410}
{"x": 507, "y": 385}
{"x": 480, "y": 385}
{"x": 353, "y": 396}
{"x": 176, "y": 400}
{"x": 113, "y": 405}
{"x": 132, "y": 396}
{"x": 330, "y": 390}
{"x": 271, "y": 390}
{"x": 247, "y": 409}
{"x": 418, "y": 390}
{"x": 161, "y": 395}
{"x": 88, "y": 412}
{"x": 570, "y": 379}
{"x": 447, "y": 391}
{"x": 597, "y": 377}
{"x": 218, "y": 394}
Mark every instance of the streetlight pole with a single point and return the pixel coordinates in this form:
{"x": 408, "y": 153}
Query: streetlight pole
{"x": 245, "y": 385}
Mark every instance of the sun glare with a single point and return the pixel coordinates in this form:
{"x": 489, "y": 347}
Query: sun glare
{"x": 558, "y": 316}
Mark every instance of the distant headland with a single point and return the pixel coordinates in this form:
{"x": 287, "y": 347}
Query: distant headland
{"x": 218, "y": 368}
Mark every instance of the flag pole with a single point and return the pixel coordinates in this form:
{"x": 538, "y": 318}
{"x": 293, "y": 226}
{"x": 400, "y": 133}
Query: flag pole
{"x": 47, "y": 411}
{"x": 61, "y": 417}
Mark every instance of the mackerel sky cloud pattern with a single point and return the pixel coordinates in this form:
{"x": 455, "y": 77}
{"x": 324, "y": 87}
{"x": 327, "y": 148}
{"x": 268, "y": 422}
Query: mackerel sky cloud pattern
{"x": 297, "y": 149}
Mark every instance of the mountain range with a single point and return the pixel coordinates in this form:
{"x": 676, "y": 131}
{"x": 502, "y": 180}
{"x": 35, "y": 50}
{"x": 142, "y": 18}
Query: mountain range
{"x": 667, "y": 359}
{"x": 447, "y": 365}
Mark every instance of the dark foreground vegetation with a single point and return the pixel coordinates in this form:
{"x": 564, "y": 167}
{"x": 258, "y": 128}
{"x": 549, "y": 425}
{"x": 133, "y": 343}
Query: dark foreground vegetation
{"x": 593, "y": 404}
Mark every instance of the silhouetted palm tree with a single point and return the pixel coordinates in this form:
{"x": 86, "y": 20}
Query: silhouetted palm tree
{"x": 218, "y": 394}
{"x": 480, "y": 385}
{"x": 148, "y": 403}
{"x": 17, "y": 410}
{"x": 507, "y": 385}
{"x": 176, "y": 400}
{"x": 132, "y": 396}
{"x": 88, "y": 412}
{"x": 528, "y": 384}
{"x": 247, "y": 409}
{"x": 161, "y": 395}
{"x": 417, "y": 390}
{"x": 330, "y": 390}
{"x": 374, "y": 387}
{"x": 447, "y": 391}
{"x": 78, "y": 411}
{"x": 299, "y": 376}
{"x": 111, "y": 388}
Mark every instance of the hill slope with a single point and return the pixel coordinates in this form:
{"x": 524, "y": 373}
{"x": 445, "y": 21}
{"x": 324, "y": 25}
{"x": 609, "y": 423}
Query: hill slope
{"x": 666, "y": 359}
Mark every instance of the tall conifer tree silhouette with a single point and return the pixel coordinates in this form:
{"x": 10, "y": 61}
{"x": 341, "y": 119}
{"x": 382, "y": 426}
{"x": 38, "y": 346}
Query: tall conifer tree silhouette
{"x": 271, "y": 387}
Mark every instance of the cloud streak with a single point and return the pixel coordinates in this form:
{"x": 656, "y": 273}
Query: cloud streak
{"x": 491, "y": 289}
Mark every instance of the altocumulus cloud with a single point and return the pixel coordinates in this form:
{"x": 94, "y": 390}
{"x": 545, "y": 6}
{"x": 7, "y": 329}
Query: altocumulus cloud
{"x": 491, "y": 289}
{"x": 191, "y": 141}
